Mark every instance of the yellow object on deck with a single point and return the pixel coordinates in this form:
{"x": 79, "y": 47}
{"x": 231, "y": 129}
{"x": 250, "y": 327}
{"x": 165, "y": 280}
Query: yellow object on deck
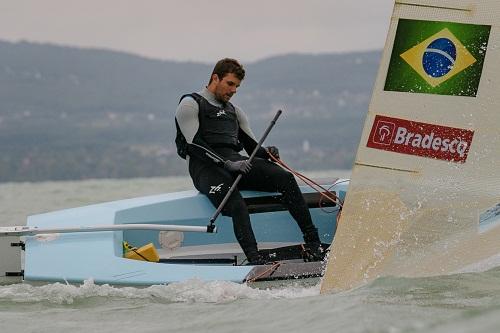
{"x": 146, "y": 253}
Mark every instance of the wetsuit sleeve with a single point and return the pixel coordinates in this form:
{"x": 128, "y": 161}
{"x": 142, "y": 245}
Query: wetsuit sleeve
{"x": 246, "y": 136}
{"x": 186, "y": 116}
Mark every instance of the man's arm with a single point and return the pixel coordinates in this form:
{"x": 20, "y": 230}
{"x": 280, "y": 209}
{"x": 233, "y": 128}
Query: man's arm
{"x": 186, "y": 117}
{"x": 246, "y": 136}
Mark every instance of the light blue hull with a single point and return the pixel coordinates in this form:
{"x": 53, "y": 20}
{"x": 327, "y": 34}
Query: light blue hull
{"x": 75, "y": 257}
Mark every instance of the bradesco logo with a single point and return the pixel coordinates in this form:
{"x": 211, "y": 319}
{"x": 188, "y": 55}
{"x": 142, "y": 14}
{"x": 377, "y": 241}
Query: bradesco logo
{"x": 420, "y": 139}
{"x": 384, "y": 133}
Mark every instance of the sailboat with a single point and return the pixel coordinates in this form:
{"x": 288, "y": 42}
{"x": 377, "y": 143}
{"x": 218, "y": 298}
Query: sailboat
{"x": 163, "y": 239}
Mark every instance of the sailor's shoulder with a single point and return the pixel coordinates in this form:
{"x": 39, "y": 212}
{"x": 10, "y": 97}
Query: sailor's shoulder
{"x": 188, "y": 98}
{"x": 188, "y": 101}
{"x": 187, "y": 107}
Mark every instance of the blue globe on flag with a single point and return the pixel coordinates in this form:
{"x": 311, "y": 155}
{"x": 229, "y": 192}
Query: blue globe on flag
{"x": 439, "y": 57}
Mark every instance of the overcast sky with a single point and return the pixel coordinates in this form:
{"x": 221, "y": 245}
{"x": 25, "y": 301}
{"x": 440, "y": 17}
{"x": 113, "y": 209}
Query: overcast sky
{"x": 201, "y": 30}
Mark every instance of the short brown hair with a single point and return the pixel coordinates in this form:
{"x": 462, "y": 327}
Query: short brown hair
{"x": 227, "y": 66}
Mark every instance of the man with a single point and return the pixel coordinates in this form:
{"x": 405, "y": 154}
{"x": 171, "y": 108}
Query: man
{"x": 210, "y": 134}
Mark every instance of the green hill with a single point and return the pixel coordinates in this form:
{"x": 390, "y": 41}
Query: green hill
{"x": 70, "y": 113}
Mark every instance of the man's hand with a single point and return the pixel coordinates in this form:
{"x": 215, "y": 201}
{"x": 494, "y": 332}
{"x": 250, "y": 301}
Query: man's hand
{"x": 238, "y": 166}
{"x": 273, "y": 151}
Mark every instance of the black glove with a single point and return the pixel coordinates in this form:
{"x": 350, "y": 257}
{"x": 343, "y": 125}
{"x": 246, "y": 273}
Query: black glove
{"x": 273, "y": 151}
{"x": 237, "y": 166}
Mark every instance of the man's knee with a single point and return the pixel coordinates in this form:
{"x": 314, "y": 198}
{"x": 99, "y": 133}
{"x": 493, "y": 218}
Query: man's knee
{"x": 286, "y": 180}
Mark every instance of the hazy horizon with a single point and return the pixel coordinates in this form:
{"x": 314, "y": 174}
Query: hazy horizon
{"x": 195, "y": 30}
{"x": 207, "y": 62}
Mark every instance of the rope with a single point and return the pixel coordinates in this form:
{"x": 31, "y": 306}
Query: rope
{"x": 325, "y": 193}
{"x": 271, "y": 269}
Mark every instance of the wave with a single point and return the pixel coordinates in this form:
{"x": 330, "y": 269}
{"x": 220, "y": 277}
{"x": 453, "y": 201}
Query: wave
{"x": 191, "y": 291}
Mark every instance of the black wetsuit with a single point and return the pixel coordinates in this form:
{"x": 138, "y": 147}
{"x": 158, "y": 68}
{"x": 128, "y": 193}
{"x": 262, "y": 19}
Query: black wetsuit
{"x": 207, "y": 151}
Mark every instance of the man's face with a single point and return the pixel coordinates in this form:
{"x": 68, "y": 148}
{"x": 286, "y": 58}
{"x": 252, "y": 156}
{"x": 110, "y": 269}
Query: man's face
{"x": 226, "y": 88}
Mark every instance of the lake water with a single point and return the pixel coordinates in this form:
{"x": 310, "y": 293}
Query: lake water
{"x": 457, "y": 303}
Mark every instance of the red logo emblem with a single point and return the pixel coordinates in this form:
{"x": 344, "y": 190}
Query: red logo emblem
{"x": 420, "y": 139}
{"x": 384, "y": 131}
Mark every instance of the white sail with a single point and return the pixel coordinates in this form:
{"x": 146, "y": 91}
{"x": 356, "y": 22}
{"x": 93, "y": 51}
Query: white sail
{"x": 424, "y": 197}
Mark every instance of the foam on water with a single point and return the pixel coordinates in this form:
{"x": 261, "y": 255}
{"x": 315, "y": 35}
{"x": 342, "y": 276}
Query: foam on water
{"x": 190, "y": 291}
{"x": 467, "y": 302}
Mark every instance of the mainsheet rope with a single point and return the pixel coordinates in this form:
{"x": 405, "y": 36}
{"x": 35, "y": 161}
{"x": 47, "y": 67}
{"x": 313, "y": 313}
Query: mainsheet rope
{"x": 325, "y": 193}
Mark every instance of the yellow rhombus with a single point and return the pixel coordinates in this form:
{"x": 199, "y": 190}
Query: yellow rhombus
{"x": 415, "y": 55}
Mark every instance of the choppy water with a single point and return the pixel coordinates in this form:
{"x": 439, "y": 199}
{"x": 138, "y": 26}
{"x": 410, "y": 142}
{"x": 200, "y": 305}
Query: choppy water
{"x": 457, "y": 303}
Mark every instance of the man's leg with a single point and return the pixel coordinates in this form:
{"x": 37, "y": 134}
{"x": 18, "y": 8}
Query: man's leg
{"x": 215, "y": 183}
{"x": 269, "y": 177}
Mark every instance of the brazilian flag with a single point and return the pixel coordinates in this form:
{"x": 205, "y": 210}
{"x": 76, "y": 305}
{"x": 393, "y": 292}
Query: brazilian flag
{"x": 437, "y": 58}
